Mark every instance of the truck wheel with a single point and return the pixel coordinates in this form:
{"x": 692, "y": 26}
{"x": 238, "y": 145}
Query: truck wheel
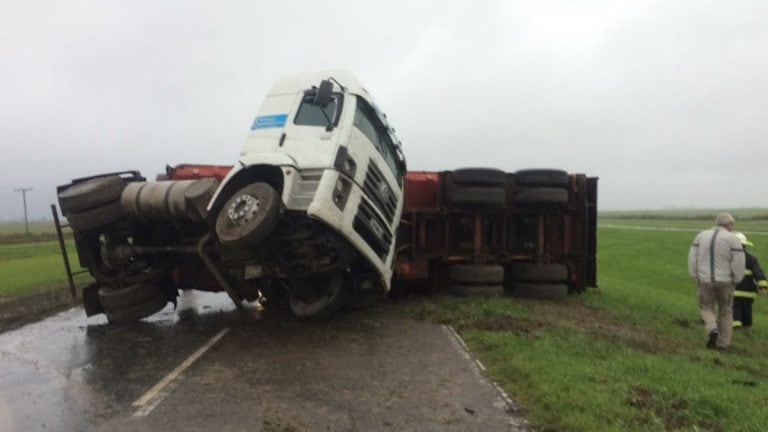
{"x": 539, "y": 291}
{"x": 478, "y": 195}
{"x": 275, "y": 297}
{"x": 90, "y": 194}
{"x": 248, "y": 216}
{"x": 320, "y": 301}
{"x": 539, "y": 272}
{"x": 137, "y": 311}
{"x": 479, "y": 177}
{"x": 542, "y": 195}
{"x": 542, "y": 177}
{"x": 474, "y": 274}
{"x": 477, "y": 290}
{"x": 96, "y": 217}
{"x": 119, "y": 298}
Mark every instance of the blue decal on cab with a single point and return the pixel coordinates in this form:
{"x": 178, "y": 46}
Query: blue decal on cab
{"x": 269, "y": 122}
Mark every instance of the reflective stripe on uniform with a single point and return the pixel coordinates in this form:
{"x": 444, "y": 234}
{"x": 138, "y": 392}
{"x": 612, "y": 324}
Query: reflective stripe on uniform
{"x": 744, "y": 294}
{"x": 712, "y": 255}
{"x": 763, "y": 283}
{"x": 737, "y": 323}
{"x": 747, "y": 272}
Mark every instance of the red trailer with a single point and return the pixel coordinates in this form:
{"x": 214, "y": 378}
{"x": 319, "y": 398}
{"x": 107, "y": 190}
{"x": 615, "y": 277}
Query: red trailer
{"x": 531, "y": 233}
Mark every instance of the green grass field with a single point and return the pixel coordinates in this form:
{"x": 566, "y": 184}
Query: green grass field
{"x": 8, "y": 228}
{"x": 690, "y": 214}
{"x": 629, "y": 356}
{"x": 33, "y": 267}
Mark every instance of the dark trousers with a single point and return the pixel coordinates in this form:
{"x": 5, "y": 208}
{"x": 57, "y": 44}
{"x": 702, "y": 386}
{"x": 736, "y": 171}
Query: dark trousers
{"x": 742, "y": 310}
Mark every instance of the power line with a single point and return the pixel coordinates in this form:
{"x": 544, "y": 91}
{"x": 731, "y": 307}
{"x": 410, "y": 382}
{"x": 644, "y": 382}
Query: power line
{"x": 24, "y": 196}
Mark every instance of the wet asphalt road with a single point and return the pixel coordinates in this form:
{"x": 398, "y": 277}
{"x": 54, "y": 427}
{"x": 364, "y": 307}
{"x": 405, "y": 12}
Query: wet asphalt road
{"x": 209, "y": 367}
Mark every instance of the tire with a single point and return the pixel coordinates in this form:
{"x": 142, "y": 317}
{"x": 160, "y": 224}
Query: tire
{"x": 137, "y": 311}
{"x": 115, "y": 299}
{"x": 478, "y": 196}
{"x": 248, "y": 215}
{"x": 90, "y": 194}
{"x": 539, "y": 291}
{"x": 542, "y": 177}
{"x": 329, "y": 300}
{"x": 474, "y": 274}
{"x": 542, "y": 195}
{"x": 275, "y": 296}
{"x": 152, "y": 275}
{"x": 540, "y": 273}
{"x": 95, "y": 218}
{"x": 479, "y": 177}
{"x": 477, "y": 291}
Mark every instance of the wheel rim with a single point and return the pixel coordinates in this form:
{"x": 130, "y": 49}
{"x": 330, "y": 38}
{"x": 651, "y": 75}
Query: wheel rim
{"x": 243, "y": 209}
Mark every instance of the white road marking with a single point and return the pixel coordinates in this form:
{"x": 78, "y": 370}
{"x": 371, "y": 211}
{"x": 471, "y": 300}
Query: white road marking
{"x": 672, "y": 229}
{"x": 156, "y": 394}
{"x": 6, "y": 423}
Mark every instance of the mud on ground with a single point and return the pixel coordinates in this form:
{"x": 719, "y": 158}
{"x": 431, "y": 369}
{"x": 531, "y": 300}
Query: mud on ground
{"x": 17, "y": 311}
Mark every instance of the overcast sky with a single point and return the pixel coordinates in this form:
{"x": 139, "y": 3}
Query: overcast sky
{"x": 665, "y": 101}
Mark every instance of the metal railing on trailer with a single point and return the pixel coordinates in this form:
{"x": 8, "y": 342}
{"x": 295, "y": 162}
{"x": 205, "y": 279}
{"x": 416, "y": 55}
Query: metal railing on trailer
{"x": 64, "y": 254}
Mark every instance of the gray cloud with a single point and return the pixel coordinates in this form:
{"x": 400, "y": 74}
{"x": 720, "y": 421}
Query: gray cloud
{"x": 663, "y": 100}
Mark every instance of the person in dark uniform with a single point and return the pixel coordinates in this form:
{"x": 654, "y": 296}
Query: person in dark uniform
{"x": 754, "y": 282}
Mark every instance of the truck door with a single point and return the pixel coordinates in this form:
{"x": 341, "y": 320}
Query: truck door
{"x": 294, "y": 126}
{"x": 312, "y": 137}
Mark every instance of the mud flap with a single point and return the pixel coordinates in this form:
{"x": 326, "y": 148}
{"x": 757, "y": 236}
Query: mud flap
{"x": 91, "y": 301}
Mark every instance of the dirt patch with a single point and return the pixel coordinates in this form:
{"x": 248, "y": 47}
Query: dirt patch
{"x": 17, "y": 311}
{"x": 673, "y": 413}
{"x": 572, "y": 316}
{"x": 640, "y": 397}
{"x": 683, "y": 323}
{"x": 514, "y": 325}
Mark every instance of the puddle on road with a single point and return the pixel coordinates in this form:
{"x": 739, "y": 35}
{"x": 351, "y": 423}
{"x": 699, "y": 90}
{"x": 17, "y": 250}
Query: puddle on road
{"x": 70, "y": 370}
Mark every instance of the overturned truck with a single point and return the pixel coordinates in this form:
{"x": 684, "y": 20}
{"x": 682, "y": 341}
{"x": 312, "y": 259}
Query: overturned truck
{"x": 307, "y": 217}
{"x": 310, "y": 218}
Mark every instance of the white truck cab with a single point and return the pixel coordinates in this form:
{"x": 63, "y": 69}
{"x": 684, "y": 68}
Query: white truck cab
{"x": 336, "y": 168}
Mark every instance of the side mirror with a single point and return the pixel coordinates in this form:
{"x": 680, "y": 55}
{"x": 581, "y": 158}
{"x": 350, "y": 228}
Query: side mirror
{"x": 323, "y": 94}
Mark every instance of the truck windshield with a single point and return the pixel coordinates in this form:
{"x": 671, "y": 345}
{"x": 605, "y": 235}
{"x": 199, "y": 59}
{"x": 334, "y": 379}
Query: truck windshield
{"x": 369, "y": 123}
{"x": 310, "y": 114}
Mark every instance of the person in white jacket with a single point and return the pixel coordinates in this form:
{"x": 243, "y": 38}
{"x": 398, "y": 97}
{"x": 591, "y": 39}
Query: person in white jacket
{"x": 716, "y": 263}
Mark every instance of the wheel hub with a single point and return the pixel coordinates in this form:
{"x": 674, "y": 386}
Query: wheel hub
{"x": 243, "y": 209}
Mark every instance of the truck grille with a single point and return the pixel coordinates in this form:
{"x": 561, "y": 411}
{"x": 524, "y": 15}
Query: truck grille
{"x": 372, "y": 229}
{"x": 380, "y": 192}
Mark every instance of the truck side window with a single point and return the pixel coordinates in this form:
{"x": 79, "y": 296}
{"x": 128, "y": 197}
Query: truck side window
{"x": 368, "y": 123}
{"x": 312, "y": 115}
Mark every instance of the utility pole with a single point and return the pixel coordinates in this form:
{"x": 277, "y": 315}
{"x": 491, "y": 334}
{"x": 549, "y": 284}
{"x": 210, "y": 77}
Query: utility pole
{"x": 24, "y": 195}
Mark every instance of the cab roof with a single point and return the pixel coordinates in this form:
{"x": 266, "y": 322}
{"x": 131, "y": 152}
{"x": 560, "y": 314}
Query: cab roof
{"x": 291, "y": 84}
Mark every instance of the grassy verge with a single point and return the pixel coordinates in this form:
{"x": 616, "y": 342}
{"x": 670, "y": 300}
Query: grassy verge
{"x": 15, "y": 232}
{"x": 629, "y": 356}
{"x": 756, "y": 214}
{"x": 33, "y": 267}
{"x": 751, "y": 227}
